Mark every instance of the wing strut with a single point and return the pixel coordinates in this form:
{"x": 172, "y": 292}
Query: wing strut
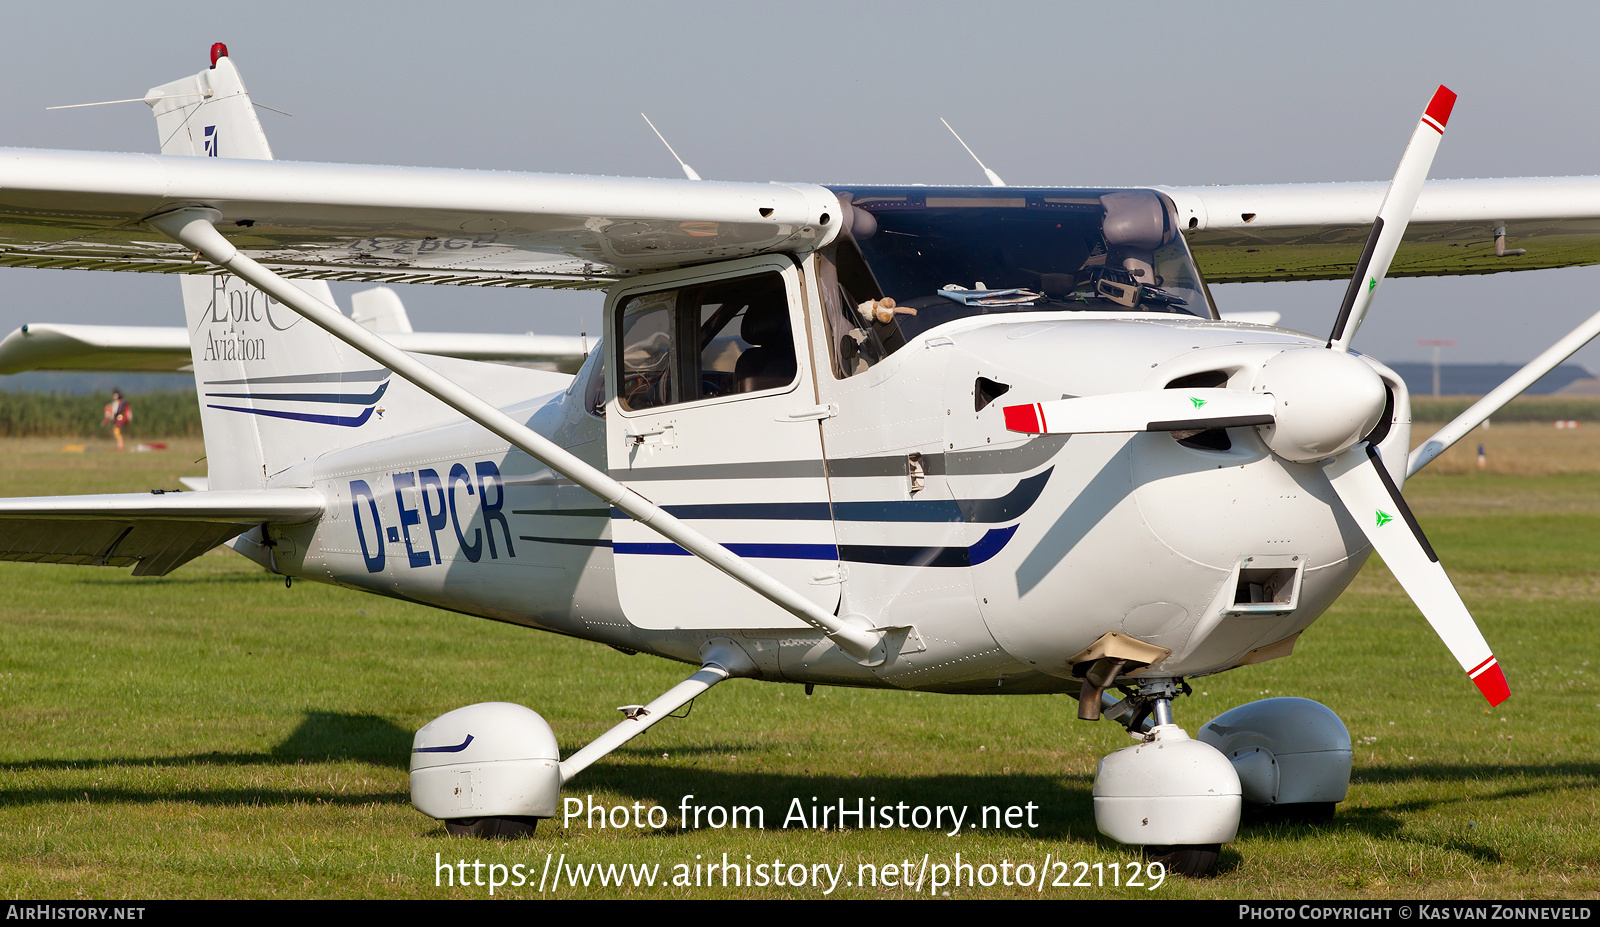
{"x": 193, "y": 227}
{"x": 1513, "y": 387}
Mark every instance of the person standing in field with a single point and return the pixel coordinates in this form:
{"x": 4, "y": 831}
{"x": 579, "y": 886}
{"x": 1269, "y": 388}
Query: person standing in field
{"x": 119, "y": 414}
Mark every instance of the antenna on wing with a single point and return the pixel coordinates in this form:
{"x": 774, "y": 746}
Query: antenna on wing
{"x": 687, "y": 170}
{"x": 994, "y": 179}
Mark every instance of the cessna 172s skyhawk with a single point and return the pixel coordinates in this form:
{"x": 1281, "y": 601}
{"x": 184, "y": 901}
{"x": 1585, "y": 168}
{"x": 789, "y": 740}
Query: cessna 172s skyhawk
{"x": 985, "y": 440}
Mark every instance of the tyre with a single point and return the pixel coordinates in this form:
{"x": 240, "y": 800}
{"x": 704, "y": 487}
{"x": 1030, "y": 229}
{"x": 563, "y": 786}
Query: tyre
{"x": 1197, "y": 861}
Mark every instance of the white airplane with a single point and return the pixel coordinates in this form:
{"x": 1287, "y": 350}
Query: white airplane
{"x": 159, "y": 349}
{"x": 988, "y": 440}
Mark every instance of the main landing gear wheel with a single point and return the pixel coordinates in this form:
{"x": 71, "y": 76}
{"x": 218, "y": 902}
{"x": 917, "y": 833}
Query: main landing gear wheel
{"x": 504, "y": 828}
{"x": 1196, "y": 862}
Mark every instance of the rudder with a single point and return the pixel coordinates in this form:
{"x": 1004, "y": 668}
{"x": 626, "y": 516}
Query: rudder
{"x": 274, "y": 389}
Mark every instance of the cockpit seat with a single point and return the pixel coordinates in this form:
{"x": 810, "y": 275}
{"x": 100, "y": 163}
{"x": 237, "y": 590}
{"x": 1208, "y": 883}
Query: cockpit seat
{"x": 769, "y": 362}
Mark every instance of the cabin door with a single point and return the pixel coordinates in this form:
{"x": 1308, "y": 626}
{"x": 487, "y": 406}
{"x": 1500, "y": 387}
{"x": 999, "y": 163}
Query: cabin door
{"x": 713, "y": 415}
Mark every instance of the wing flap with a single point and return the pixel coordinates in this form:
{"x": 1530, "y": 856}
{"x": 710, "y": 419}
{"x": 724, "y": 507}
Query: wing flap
{"x": 155, "y": 533}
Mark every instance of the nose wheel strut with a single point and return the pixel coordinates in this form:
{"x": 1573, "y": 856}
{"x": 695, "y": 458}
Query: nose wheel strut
{"x": 1142, "y": 708}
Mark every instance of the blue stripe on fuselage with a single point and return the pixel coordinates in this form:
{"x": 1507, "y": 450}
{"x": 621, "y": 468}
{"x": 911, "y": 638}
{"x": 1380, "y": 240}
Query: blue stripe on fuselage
{"x": 346, "y": 421}
{"x": 972, "y": 511}
{"x": 992, "y": 542}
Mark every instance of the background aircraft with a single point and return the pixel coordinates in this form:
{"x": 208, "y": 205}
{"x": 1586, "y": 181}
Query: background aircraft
{"x": 159, "y": 349}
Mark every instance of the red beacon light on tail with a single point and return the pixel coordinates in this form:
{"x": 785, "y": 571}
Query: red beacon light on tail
{"x": 218, "y": 50}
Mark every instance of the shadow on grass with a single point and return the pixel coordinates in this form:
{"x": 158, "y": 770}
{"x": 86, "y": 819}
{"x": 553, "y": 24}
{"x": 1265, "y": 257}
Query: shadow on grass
{"x": 1062, "y": 810}
{"x": 321, "y": 736}
{"x": 789, "y": 799}
{"x": 1385, "y": 823}
{"x": 1389, "y": 821}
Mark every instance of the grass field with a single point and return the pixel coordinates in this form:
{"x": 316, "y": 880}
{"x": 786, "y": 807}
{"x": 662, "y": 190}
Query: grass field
{"x": 213, "y": 734}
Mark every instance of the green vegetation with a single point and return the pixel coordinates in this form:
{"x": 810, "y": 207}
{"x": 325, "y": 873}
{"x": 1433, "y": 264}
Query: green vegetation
{"x": 213, "y": 734}
{"x": 1543, "y": 409}
{"x": 56, "y": 415}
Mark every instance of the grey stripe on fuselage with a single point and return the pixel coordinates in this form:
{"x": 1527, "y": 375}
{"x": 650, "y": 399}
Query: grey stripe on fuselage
{"x": 341, "y": 376}
{"x": 1018, "y": 459}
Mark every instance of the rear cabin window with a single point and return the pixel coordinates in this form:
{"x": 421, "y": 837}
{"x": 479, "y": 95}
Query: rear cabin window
{"x": 701, "y": 342}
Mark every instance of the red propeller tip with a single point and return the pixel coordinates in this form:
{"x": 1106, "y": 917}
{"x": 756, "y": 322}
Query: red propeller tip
{"x": 1028, "y": 419}
{"x": 1491, "y": 681}
{"x": 1438, "y": 111}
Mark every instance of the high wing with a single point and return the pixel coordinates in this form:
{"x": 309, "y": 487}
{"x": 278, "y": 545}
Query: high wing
{"x": 155, "y": 533}
{"x": 1315, "y": 231}
{"x": 49, "y": 346}
{"x": 86, "y": 210}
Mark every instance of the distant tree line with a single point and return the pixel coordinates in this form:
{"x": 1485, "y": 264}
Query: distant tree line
{"x": 54, "y": 415}
{"x": 1520, "y": 409}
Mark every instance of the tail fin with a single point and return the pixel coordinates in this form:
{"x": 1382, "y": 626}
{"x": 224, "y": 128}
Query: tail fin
{"x": 275, "y": 390}
{"x": 380, "y": 310}
{"x": 209, "y": 114}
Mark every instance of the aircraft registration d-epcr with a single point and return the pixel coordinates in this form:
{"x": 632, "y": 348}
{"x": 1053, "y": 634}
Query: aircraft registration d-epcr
{"x": 991, "y": 440}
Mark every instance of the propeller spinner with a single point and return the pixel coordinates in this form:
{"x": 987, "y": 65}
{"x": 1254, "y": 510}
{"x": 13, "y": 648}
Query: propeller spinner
{"x": 1313, "y": 405}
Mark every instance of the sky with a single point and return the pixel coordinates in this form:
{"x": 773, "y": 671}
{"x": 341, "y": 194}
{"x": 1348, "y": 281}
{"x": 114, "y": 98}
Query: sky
{"x": 1067, "y": 94}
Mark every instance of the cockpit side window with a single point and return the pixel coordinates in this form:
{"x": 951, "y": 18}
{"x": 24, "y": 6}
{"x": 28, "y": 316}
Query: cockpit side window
{"x": 863, "y": 327}
{"x": 700, "y": 342}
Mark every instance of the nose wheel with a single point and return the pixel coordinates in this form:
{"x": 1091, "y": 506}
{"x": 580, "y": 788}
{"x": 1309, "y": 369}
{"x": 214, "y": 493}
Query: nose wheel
{"x": 1196, "y": 862}
{"x": 1177, "y": 797}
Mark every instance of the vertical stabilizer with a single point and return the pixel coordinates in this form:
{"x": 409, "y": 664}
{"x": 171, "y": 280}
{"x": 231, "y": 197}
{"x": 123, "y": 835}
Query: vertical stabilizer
{"x": 379, "y": 310}
{"x": 274, "y": 389}
{"x": 209, "y": 114}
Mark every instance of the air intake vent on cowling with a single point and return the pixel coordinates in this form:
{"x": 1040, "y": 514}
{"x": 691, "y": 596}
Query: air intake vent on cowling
{"x": 1213, "y": 439}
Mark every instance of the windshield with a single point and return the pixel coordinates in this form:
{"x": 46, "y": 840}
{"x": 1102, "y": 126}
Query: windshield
{"x": 937, "y": 254}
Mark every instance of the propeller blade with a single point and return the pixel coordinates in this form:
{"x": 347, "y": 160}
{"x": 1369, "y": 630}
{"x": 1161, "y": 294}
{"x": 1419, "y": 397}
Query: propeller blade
{"x": 1362, "y": 483}
{"x": 1393, "y": 217}
{"x": 1144, "y": 410}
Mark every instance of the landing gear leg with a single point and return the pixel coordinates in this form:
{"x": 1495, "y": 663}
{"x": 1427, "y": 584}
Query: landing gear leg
{"x": 1177, "y": 797}
{"x": 494, "y": 769}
